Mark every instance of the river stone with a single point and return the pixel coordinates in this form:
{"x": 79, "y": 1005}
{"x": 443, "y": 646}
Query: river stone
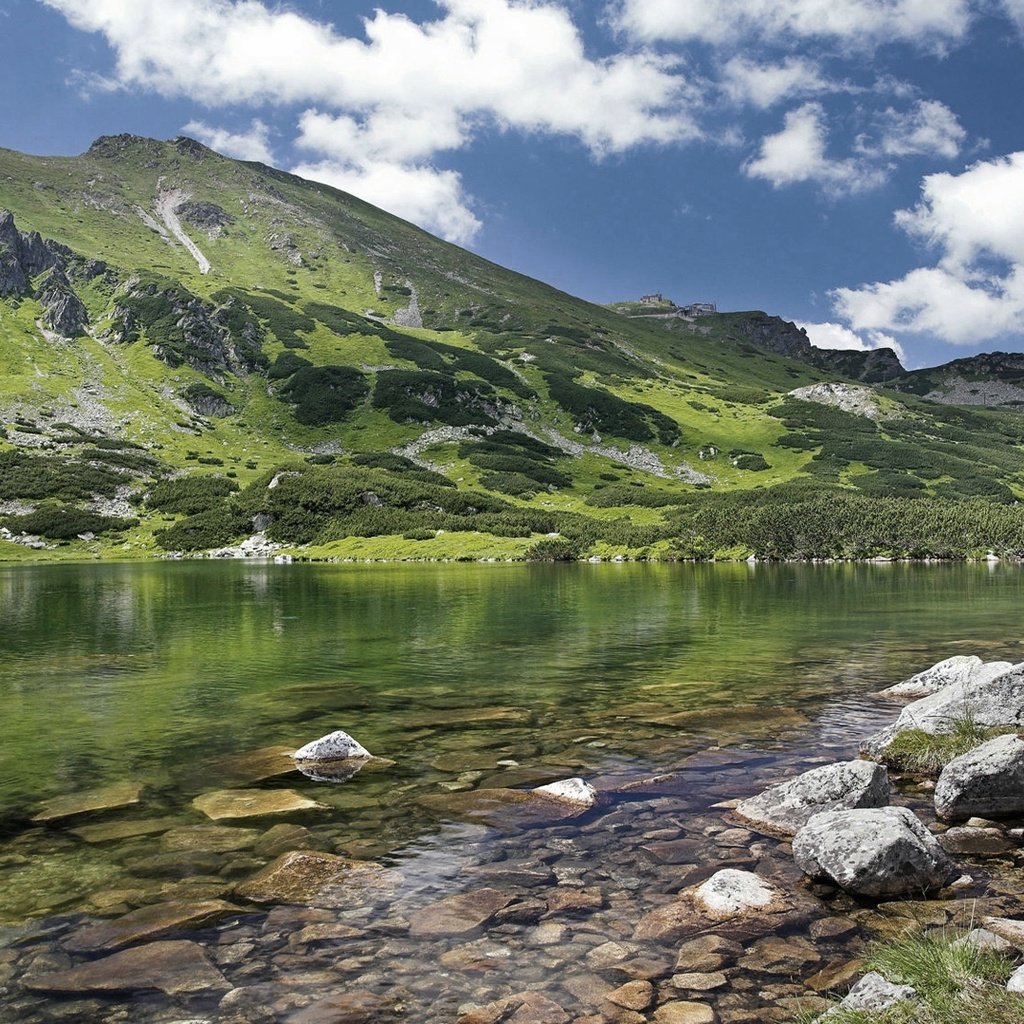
{"x": 977, "y": 842}
{"x": 497, "y": 807}
{"x": 358, "y": 1007}
{"x": 959, "y": 670}
{"x": 335, "y": 746}
{"x": 459, "y": 914}
{"x": 318, "y": 879}
{"x": 872, "y": 852}
{"x": 872, "y": 992}
{"x": 228, "y": 804}
{"x": 209, "y": 839}
{"x": 684, "y": 1013}
{"x": 736, "y": 901}
{"x": 255, "y": 765}
{"x": 787, "y": 807}
{"x": 987, "y": 702}
{"x": 148, "y": 923}
{"x": 115, "y": 831}
{"x": 108, "y": 798}
{"x": 987, "y": 781}
{"x": 175, "y": 968}
{"x": 634, "y": 995}
{"x": 572, "y": 791}
{"x": 1008, "y": 928}
{"x": 521, "y": 1008}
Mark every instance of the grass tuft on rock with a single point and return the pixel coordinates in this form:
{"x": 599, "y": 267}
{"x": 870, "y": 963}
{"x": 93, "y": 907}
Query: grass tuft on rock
{"x": 923, "y": 753}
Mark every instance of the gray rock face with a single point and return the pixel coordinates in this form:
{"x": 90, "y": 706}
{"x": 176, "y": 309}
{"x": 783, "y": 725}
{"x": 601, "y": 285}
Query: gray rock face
{"x": 64, "y": 311}
{"x": 876, "y": 852}
{"x": 22, "y": 256}
{"x": 786, "y": 808}
{"x": 958, "y": 670}
{"x": 987, "y": 702}
{"x": 872, "y": 992}
{"x": 987, "y": 781}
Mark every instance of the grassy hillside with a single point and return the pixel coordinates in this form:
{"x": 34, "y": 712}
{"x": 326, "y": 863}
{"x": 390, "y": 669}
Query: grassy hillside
{"x": 202, "y": 349}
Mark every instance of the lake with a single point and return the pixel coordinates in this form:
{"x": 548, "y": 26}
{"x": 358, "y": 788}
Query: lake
{"x": 148, "y": 693}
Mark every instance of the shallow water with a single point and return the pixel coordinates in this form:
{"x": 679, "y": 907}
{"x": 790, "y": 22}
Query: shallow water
{"x": 168, "y": 677}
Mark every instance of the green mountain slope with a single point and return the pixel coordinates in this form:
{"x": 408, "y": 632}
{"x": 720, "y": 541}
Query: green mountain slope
{"x": 195, "y": 349}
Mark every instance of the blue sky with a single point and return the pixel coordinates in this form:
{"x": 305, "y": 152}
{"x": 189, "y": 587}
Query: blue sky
{"x": 854, "y": 165}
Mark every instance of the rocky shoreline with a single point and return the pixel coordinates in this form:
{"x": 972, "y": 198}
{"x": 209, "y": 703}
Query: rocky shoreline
{"x": 737, "y": 886}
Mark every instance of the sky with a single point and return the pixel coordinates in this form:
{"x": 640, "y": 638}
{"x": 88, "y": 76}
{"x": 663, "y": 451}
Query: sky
{"x": 856, "y": 166}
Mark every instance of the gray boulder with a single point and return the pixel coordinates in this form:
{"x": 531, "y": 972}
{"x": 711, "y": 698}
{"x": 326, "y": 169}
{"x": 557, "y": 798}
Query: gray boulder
{"x": 986, "y": 702}
{"x": 787, "y": 807}
{"x": 872, "y": 993}
{"x": 335, "y": 746}
{"x": 985, "y": 782}
{"x": 960, "y": 669}
{"x": 882, "y": 851}
{"x": 63, "y": 310}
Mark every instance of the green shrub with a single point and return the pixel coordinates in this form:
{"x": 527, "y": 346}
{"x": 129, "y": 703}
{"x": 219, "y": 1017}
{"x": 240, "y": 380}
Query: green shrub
{"x": 554, "y": 549}
{"x": 421, "y": 396}
{"x": 65, "y": 522}
{"x": 189, "y": 495}
{"x": 213, "y": 529}
{"x": 286, "y": 364}
{"x": 595, "y": 409}
{"x": 32, "y": 477}
{"x": 325, "y": 394}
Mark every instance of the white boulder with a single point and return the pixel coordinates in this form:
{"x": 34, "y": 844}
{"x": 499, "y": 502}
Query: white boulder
{"x": 962, "y": 669}
{"x": 872, "y": 993}
{"x": 335, "y": 746}
{"x": 987, "y": 781}
{"x": 883, "y": 851}
{"x": 572, "y": 791}
{"x": 730, "y": 892}
{"x": 787, "y": 807}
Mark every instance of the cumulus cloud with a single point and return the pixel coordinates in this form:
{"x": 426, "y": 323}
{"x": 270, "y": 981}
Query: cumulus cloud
{"x": 974, "y": 292}
{"x": 929, "y": 128}
{"x": 831, "y": 335}
{"x": 762, "y": 85}
{"x": 1015, "y": 11}
{"x": 853, "y": 23}
{"x": 798, "y": 154}
{"x": 251, "y": 145}
{"x": 377, "y": 106}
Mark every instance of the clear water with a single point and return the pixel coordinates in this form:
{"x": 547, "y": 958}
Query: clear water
{"x": 167, "y": 675}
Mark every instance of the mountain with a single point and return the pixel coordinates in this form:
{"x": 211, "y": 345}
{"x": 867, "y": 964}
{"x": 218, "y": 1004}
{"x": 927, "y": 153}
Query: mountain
{"x": 196, "y": 349}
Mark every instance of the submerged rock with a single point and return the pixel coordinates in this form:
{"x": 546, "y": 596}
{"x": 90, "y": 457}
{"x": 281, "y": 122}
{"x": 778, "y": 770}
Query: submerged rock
{"x": 573, "y": 791}
{"x": 148, "y": 923}
{"x": 232, "y": 804}
{"x": 512, "y": 808}
{"x": 335, "y": 746}
{"x": 959, "y": 670}
{"x": 787, "y": 807}
{"x": 873, "y": 852}
{"x": 175, "y": 968}
{"x": 317, "y": 879}
{"x": 460, "y": 914}
{"x": 987, "y": 781}
{"x": 109, "y": 798}
{"x": 521, "y": 1008}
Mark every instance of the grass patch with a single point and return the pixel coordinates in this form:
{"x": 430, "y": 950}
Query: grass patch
{"x": 927, "y": 754}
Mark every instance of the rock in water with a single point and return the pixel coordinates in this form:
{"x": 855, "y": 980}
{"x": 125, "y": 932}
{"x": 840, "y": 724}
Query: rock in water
{"x": 573, "y": 791}
{"x": 986, "y": 702}
{"x": 958, "y": 670}
{"x": 884, "y": 851}
{"x": 787, "y": 807}
{"x": 987, "y": 781}
{"x": 730, "y": 892}
{"x": 872, "y": 993}
{"x": 336, "y": 746}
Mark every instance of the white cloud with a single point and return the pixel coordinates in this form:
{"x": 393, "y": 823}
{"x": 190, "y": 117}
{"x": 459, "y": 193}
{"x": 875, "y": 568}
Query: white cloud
{"x": 975, "y": 291}
{"x": 856, "y": 24}
{"x": 433, "y": 199}
{"x": 1015, "y": 10}
{"x": 764, "y": 85}
{"x": 251, "y": 145}
{"x": 836, "y": 336}
{"x": 380, "y": 107}
{"x": 798, "y": 154}
{"x": 929, "y": 128}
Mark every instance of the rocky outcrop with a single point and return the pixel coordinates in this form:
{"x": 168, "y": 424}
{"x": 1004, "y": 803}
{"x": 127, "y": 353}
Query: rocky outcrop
{"x": 960, "y": 670}
{"x": 786, "y": 808}
{"x": 23, "y": 255}
{"x": 986, "y": 702}
{"x": 851, "y": 398}
{"x": 987, "y": 782}
{"x": 63, "y": 311}
{"x": 877, "y": 852}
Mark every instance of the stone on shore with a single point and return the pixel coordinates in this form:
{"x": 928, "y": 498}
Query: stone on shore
{"x": 987, "y": 702}
{"x": 147, "y": 924}
{"x": 572, "y": 791}
{"x": 1016, "y": 982}
{"x": 175, "y": 968}
{"x": 883, "y": 851}
{"x": 236, "y": 804}
{"x": 872, "y": 993}
{"x": 787, "y": 807}
{"x": 953, "y": 671}
{"x": 335, "y": 746}
{"x": 987, "y": 782}
{"x": 317, "y": 879}
{"x": 93, "y": 801}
